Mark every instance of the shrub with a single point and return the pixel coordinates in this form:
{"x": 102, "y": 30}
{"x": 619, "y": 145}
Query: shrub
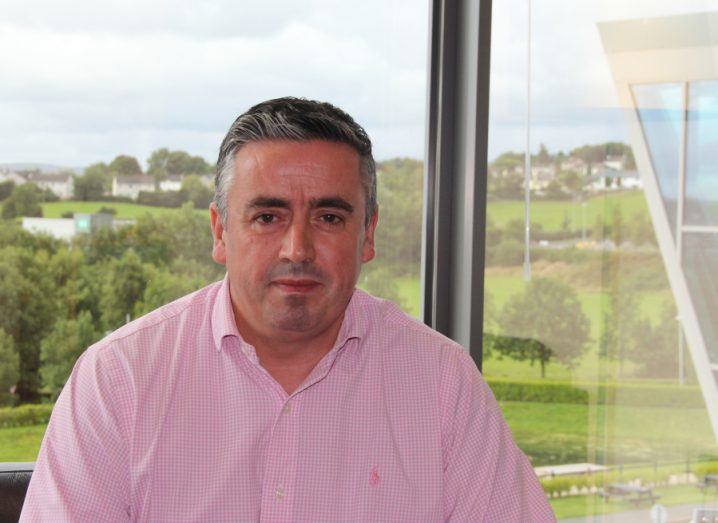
{"x": 550, "y": 392}
{"x": 636, "y": 395}
{"x": 68, "y": 214}
{"x": 171, "y": 199}
{"x": 707, "y": 467}
{"x": 507, "y": 253}
{"x": 107, "y": 210}
{"x": 25, "y": 415}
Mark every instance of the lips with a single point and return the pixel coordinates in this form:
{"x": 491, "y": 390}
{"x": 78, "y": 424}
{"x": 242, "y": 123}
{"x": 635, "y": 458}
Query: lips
{"x": 296, "y": 285}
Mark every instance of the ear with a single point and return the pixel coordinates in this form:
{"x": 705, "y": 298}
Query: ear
{"x": 368, "y": 245}
{"x": 219, "y": 252}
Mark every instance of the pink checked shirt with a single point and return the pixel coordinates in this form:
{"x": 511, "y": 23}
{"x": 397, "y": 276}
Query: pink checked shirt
{"x": 171, "y": 418}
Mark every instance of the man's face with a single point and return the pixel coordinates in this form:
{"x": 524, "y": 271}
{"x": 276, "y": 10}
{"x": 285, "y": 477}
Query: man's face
{"x": 295, "y": 237}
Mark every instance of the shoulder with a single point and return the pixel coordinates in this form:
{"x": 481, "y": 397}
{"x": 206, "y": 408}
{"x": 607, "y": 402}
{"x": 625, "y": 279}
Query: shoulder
{"x": 156, "y": 335}
{"x": 406, "y": 341}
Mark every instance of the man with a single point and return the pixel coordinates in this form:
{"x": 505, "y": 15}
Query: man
{"x": 282, "y": 393}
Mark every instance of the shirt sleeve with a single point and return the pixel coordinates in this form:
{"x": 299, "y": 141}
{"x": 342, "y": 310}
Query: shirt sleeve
{"x": 486, "y": 477}
{"x": 82, "y": 470}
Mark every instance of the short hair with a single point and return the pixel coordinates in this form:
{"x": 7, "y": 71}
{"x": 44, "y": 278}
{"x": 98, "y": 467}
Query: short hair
{"x": 296, "y": 119}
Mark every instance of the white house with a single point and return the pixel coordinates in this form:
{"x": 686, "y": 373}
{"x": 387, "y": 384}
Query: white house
{"x": 9, "y": 176}
{"x": 60, "y": 184}
{"x": 172, "y": 183}
{"x": 130, "y": 186}
{"x": 608, "y": 179}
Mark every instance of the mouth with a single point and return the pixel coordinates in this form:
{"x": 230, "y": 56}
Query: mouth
{"x": 298, "y": 286}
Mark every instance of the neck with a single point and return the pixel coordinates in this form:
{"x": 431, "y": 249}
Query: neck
{"x": 290, "y": 359}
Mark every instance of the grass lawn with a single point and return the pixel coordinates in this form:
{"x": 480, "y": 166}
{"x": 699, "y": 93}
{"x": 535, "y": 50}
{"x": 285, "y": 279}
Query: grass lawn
{"x": 21, "y": 443}
{"x": 551, "y": 214}
{"x": 125, "y": 211}
{"x": 577, "y": 506}
{"x": 562, "y": 433}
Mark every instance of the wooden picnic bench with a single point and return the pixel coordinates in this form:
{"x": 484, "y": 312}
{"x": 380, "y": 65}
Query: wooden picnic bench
{"x": 630, "y": 493}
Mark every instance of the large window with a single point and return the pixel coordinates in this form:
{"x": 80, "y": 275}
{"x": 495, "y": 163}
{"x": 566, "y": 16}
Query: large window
{"x": 600, "y": 330}
{"x": 112, "y": 119}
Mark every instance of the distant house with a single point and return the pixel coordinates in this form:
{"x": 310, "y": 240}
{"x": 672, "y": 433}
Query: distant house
{"x": 614, "y": 162}
{"x": 612, "y": 180}
{"x": 572, "y": 163}
{"x": 172, "y": 183}
{"x": 541, "y": 176}
{"x": 62, "y": 185}
{"x": 9, "y": 176}
{"x": 130, "y": 186}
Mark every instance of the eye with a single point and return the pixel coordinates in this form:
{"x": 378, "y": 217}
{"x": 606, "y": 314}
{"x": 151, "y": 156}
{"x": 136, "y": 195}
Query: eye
{"x": 266, "y": 218}
{"x": 331, "y": 219}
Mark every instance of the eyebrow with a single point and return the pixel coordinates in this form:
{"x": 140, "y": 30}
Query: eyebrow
{"x": 332, "y": 202}
{"x": 267, "y": 201}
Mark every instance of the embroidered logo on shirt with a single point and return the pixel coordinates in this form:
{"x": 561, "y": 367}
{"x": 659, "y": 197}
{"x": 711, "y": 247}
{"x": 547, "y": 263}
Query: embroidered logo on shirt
{"x": 374, "y": 479}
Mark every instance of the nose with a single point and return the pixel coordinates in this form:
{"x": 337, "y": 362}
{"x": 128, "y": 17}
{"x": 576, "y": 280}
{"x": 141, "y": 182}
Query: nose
{"x": 297, "y": 244}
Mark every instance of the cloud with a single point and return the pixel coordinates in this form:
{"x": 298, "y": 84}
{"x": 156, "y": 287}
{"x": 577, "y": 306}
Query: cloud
{"x": 105, "y": 78}
{"x": 89, "y": 80}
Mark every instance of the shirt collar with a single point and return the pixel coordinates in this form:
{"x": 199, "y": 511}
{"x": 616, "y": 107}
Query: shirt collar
{"x": 223, "y": 323}
{"x": 354, "y": 324}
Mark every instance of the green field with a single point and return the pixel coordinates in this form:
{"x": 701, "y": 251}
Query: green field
{"x": 560, "y": 433}
{"x": 549, "y": 433}
{"x": 20, "y": 443}
{"x": 550, "y": 214}
{"x": 125, "y": 211}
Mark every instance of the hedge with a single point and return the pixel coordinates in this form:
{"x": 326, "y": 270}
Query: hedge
{"x": 550, "y": 392}
{"x": 25, "y": 415}
{"x": 636, "y": 395}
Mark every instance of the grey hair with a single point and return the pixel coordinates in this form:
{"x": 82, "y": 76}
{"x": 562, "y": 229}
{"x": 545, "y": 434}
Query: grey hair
{"x": 296, "y": 119}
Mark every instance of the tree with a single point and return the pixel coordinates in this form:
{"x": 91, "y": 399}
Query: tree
{"x": 6, "y": 189}
{"x": 9, "y": 368}
{"x": 151, "y": 238}
{"x": 91, "y": 186}
{"x": 123, "y": 288}
{"x": 543, "y": 323}
{"x": 617, "y": 232}
{"x": 27, "y": 311}
{"x": 570, "y": 181}
{"x": 125, "y": 165}
{"x": 657, "y": 352}
{"x": 543, "y": 157}
{"x": 622, "y": 330}
{"x": 62, "y": 346}
{"x": 196, "y": 191}
{"x": 164, "y": 287}
{"x": 398, "y": 239}
{"x": 640, "y": 230}
{"x": 24, "y": 201}
{"x": 190, "y": 237}
{"x": 157, "y": 164}
{"x": 163, "y": 162}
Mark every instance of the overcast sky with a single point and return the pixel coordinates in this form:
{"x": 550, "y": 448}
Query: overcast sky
{"x": 84, "y": 81}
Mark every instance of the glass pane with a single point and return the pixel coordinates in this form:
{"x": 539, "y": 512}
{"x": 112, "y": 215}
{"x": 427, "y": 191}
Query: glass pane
{"x": 591, "y": 358}
{"x": 702, "y": 155}
{"x": 700, "y": 266}
{"x": 112, "y": 116}
{"x": 660, "y": 109}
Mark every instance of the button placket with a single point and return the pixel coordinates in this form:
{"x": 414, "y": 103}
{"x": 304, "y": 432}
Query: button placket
{"x": 277, "y": 499}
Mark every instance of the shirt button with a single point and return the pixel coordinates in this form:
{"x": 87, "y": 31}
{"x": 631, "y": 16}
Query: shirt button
{"x": 287, "y": 408}
{"x": 279, "y": 493}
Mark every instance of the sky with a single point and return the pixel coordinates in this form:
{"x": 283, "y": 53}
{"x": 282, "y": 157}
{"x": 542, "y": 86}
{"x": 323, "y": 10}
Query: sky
{"x": 84, "y": 81}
